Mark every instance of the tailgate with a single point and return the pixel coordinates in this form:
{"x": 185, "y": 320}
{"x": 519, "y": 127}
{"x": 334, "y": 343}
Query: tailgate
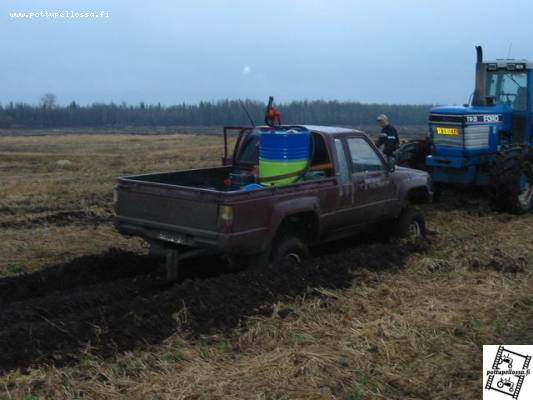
{"x": 176, "y": 208}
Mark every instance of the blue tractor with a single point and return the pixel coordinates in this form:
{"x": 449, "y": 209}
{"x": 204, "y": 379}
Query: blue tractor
{"x": 488, "y": 142}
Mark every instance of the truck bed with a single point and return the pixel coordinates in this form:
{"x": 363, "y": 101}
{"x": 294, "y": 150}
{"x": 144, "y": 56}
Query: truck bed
{"x": 205, "y": 178}
{"x": 183, "y": 200}
{"x": 183, "y": 206}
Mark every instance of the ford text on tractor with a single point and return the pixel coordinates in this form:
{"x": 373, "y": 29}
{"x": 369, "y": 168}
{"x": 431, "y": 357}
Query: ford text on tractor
{"x": 487, "y": 143}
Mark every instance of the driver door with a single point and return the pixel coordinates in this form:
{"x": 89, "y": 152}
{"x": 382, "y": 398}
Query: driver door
{"x": 374, "y": 191}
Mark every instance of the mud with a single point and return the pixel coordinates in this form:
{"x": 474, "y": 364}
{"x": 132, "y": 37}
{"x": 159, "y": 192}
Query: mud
{"x": 435, "y": 264}
{"x": 500, "y": 261}
{"x": 60, "y": 218}
{"x": 119, "y": 301}
{"x": 28, "y": 214}
{"x": 83, "y": 271}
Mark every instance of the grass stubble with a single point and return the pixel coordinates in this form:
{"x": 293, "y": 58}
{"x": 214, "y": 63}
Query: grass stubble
{"x": 411, "y": 328}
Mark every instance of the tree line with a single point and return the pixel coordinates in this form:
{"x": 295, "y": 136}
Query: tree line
{"x": 48, "y": 114}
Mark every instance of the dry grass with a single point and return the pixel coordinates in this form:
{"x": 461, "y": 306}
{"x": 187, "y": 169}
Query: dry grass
{"x": 45, "y": 176}
{"x": 411, "y": 331}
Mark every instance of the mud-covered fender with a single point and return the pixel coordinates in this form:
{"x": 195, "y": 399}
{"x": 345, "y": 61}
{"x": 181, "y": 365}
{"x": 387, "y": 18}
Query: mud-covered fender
{"x": 409, "y": 180}
{"x": 286, "y": 208}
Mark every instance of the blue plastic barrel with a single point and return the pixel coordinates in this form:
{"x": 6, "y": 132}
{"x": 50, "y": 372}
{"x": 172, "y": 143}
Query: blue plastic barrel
{"x": 284, "y": 144}
{"x": 283, "y": 154}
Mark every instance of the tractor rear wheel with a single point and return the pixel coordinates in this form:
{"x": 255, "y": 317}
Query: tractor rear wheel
{"x": 511, "y": 180}
{"x": 413, "y": 154}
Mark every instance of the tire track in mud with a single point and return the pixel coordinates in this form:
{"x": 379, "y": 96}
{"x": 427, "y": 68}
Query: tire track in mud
{"x": 28, "y": 214}
{"x": 79, "y": 300}
{"x": 83, "y": 271}
{"x": 117, "y": 302}
{"x": 60, "y": 218}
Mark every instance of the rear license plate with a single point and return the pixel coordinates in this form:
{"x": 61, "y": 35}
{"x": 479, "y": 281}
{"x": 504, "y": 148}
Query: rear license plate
{"x": 172, "y": 237}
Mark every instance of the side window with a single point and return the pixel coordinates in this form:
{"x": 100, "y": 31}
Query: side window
{"x": 343, "y": 165}
{"x": 364, "y": 158}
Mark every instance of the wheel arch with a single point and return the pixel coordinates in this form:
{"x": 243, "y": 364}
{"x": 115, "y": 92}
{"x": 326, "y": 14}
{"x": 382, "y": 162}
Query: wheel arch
{"x": 418, "y": 195}
{"x": 303, "y": 222}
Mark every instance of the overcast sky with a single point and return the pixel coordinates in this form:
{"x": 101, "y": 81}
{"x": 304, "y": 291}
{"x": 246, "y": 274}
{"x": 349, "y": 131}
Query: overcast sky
{"x": 403, "y": 51}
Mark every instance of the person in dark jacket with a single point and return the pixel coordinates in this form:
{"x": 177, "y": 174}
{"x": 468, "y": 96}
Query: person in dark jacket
{"x": 388, "y": 138}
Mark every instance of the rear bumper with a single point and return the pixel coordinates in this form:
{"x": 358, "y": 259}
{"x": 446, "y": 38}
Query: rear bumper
{"x": 246, "y": 242}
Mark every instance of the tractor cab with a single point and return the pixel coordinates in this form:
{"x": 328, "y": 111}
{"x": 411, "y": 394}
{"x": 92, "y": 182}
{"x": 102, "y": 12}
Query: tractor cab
{"x": 509, "y": 83}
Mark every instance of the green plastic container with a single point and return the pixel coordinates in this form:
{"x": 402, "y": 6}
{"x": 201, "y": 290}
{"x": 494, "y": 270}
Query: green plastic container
{"x": 269, "y": 169}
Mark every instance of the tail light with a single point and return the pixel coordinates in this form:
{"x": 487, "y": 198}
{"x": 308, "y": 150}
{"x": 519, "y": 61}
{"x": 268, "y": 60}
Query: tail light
{"x": 225, "y": 217}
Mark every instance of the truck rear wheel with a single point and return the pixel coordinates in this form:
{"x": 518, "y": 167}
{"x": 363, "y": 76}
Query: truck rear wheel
{"x": 511, "y": 181}
{"x": 289, "y": 250}
{"x": 237, "y": 263}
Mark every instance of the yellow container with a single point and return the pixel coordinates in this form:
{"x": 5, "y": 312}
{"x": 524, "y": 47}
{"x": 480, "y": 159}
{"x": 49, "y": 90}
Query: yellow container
{"x": 281, "y": 172}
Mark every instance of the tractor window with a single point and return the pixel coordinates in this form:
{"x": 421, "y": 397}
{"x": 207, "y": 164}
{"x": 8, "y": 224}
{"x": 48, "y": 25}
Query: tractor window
{"x": 508, "y": 88}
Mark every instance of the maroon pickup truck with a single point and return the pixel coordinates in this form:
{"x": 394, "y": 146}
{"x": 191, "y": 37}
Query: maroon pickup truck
{"x": 348, "y": 187}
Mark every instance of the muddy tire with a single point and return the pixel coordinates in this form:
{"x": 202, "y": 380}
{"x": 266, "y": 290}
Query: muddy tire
{"x": 511, "y": 180}
{"x": 437, "y": 188}
{"x": 410, "y": 224}
{"x": 252, "y": 261}
{"x": 289, "y": 250}
{"x": 413, "y": 154}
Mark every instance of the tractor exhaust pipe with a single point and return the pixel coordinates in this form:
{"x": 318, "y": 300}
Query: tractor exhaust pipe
{"x": 479, "y": 98}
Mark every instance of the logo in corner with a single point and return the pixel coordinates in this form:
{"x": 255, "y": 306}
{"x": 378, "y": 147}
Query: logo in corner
{"x": 507, "y": 372}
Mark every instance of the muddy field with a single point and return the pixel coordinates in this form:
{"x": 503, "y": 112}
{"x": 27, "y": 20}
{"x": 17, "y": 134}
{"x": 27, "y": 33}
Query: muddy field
{"x": 85, "y": 313}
